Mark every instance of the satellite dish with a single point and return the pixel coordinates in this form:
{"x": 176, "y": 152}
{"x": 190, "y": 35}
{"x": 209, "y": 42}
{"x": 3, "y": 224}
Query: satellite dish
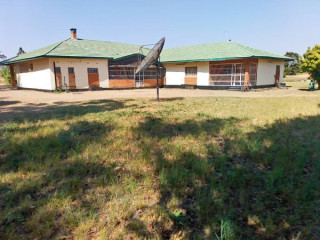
{"x": 151, "y": 58}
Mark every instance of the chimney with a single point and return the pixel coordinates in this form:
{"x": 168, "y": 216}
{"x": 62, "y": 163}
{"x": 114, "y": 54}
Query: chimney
{"x": 73, "y": 32}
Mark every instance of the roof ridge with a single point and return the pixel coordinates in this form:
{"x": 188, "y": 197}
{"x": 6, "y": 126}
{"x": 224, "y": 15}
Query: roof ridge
{"x": 194, "y": 45}
{"x": 56, "y": 46}
{"x": 130, "y": 44}
{"x": 241, "y": 47}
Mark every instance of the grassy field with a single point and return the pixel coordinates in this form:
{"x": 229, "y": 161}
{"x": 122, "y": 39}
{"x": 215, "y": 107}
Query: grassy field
{"x": 202, "y": 168}
{"x": 300, "y": 81}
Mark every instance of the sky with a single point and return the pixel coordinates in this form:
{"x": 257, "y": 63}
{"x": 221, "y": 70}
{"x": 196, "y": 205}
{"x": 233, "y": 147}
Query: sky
{"x": 276, "y": 26}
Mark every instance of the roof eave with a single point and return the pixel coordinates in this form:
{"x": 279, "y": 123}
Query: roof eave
{"x": 85, "y": 57}
{"x": 8, "y": 62}
{"x": 226, "y": 59}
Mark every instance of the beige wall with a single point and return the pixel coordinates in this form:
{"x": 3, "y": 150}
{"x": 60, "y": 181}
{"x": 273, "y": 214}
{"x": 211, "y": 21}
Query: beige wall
{"x": 267, "y": 70}
{"x": 175, "y": 73}
{"x": 38, "y": 78}
{"x": 80, "y": 69}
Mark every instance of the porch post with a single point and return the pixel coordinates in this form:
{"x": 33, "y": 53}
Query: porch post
{"x": 247, "y": 75}
{"x": 12, "y": 76}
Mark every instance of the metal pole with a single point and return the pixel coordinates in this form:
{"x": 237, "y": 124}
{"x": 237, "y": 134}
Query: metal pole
{"x": 157, "y": 66}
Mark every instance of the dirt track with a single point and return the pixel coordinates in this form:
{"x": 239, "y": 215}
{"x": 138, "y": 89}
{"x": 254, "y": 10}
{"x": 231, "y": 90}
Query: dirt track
{"x": 32, "y": 96}
{"x": 14, "y": 102}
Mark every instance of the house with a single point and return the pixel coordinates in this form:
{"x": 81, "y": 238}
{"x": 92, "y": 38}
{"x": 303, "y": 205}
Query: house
{"x": 222, "y": 65}
{"x": 81, "y": 64}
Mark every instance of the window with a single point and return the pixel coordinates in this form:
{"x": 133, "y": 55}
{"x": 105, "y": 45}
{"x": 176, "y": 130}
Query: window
{"x": 278, "y": 68}
{"x": 191, "y": 71}
{"x": 24, "y": 68}
{"x": 92, "y": 70}
{"x": 151, "y": 73}
{"x": 31, "y": 67}
{"x": 253, "y": 73}
{"x": 57, "y": 70}
{"x": 70, "y": 70}
{"x": 121, "y": 73}
{"x": 129, "y": 73}
{"x": 226, "y": 74}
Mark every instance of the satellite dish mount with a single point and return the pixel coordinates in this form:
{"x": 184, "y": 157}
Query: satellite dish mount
{"x": 153, "y": 59}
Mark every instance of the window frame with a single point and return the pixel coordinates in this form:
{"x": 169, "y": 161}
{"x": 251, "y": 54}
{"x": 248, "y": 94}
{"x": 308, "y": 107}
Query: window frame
{"x": 69, "y": 68}
{"x": 191, "y": 71}
{"x": 56, "y": 70}
{"x": 92, "y": 70}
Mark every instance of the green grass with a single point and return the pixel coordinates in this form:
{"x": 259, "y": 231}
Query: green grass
{"x": 209, "y": 168}
{"x": 299, "y": 81}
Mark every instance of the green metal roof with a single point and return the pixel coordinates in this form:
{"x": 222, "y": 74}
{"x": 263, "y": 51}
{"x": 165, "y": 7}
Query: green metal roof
{"x": 215, "y": 52}
{"x": 81, "y": 48}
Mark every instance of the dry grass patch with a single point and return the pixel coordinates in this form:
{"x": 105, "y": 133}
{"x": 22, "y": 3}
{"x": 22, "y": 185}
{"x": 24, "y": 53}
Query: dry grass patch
{"x": 215, "y": 168}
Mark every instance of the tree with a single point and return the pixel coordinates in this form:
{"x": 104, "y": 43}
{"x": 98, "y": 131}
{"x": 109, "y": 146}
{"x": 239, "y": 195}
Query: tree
{"x": 311, "y": 63}
{"x": 292, "y": 67}
{"x": 2, "y": 56}
{"x": 5, "y": 73}
{"x": 21, "y": 51}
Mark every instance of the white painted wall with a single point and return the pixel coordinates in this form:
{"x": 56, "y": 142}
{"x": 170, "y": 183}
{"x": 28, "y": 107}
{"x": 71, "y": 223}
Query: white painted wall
{"x": 267, "y": 70}
{"x": 38, "y": 78}
{"x": 175, "y": 73}
{"x": 80, "y": 69}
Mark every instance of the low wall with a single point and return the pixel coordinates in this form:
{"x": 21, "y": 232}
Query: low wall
{"x": 153, "y": 82}
{"x": 121, "y": 83}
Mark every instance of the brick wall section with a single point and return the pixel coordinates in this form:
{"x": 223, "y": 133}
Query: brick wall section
{"x": 153, "y": 82}
{"x": 190, "y": 80}
{"x": 247, "y": 74}
{"x": 121, "y": 83}
{"x": 129, "y": 83}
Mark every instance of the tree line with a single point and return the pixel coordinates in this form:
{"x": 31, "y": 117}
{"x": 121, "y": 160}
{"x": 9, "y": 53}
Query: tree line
{"x": 309, "y": 62}
{"x": 5, "y": 72}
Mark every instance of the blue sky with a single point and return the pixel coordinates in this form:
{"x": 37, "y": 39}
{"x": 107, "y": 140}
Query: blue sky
{"x": 274, "y": 25}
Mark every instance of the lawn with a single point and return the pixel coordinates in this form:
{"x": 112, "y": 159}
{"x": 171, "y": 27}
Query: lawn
{"x": 195, "y": 168}
{"x": 300, "y": 81}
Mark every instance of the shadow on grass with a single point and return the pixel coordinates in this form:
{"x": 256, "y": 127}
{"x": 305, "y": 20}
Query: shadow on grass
{"x": 3, "y": 103}
{"x": 58, "y": 110}
{"x": 60, "y": 179}
{"x": 214, "y": 179}
{"x": 259, "y": 185}
{"x": 308, "y": 90}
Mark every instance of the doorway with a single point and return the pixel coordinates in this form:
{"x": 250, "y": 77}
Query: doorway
{"x": 237, "y": 74}
{"x": 93, "y": 77}
{"x": 72, "y": 78}
{"x": 57, "y": 71}
{"x": 139, "y": 79}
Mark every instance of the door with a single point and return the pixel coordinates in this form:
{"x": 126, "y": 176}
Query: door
{"x": 237, "y": 75}
{"x": 72, "y": 78}
{"x": 190, "y": 77}
{"x": 139, "y": 79}
{"x": 57, "y": 71}
{"x": 93, "y": 77}
{"x": 277, "y": 75}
